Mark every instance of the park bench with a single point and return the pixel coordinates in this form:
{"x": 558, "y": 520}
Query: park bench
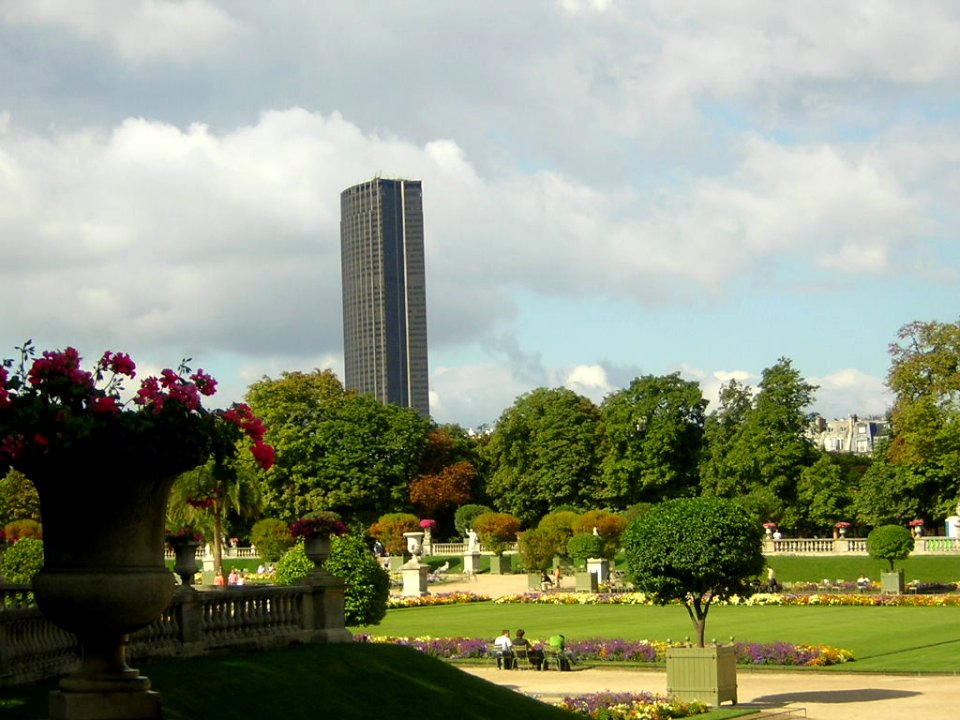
{"x": 494, "y": 653}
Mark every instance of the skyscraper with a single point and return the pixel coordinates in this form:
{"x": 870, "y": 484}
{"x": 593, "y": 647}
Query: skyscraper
{"x": 384, "y": 292}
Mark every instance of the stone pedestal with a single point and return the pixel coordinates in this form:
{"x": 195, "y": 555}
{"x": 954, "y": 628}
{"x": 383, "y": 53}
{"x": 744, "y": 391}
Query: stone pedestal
{"x": 599, "y": 567}
{"x": 208, "y": 565}
{"x": 415, "y": 578}
{"x": 471, "y": 563}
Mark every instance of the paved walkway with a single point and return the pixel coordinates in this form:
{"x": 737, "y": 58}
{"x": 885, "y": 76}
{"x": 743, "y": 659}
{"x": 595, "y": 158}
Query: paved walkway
{"x": 821, "y": 695}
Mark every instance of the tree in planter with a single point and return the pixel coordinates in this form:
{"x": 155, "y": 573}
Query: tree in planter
{"x": 495, "y": 530}
{"x": 695, "y": 550}
{"x": 891, "y": 543}
{"x": 609, "y": 527}
{"x": 583, "y": 547}
{"x": 536, "y": 550}
{"x": 559, "y": 526}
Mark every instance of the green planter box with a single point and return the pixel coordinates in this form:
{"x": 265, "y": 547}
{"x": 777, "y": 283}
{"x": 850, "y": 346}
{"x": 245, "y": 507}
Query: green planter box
{"x": 500, "y": 565}
{"x": 892, "y": 582}
{"x": 586, "y": 582}
{"x": 533, "y": 581}
{"x": 708, "y": 674}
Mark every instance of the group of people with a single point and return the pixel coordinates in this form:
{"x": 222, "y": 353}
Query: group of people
{"x": 507, "y": 650}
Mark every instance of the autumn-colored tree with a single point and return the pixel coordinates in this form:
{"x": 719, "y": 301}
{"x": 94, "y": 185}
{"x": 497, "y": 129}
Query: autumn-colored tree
{"x": 448, "y": 488}
{"x": 495, "y": 530}
{"x": 609, "y": 526}
{"x": 389, "y": 530}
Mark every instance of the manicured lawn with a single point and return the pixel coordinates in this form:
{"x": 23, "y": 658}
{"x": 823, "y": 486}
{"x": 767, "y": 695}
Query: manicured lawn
{"x": 926, "y": 568}
{"x": 883, "y": 639}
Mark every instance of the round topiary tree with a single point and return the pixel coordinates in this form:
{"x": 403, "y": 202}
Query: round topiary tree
{"x": 496, "y": 530}
{"x": 584, "y": 546}
{"x": 695, "y": 550}
{"x": 891, "y": 543}
{"x": 536, "y": 550}
{"x": 272, "y": 538}
{"x": 389, "y": 530}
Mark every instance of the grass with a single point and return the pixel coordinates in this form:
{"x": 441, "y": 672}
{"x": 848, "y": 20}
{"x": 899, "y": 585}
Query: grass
{"x": 883, "y": 639}
{"x": 349, "y": 682}
{"x": 926, "y": 568}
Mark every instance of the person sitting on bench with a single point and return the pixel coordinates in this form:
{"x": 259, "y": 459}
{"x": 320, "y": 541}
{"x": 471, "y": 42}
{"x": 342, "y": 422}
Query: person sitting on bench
{"x": 504, "y": 650}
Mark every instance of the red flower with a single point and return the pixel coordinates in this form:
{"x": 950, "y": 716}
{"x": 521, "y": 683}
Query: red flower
{"x": 264, "y": 454}
{"x": 105, "y": 404}
{"x": 205, "y": 384}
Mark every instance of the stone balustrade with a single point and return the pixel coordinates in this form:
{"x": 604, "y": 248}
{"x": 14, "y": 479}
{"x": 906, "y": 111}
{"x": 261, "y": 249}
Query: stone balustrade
{"x": 197, "y": 622}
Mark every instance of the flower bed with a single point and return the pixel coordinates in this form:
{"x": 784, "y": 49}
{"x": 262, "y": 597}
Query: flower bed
{"x": 630, "y": 706}
{"x": 450, "y": 598}
{"x": 638, "y": 651}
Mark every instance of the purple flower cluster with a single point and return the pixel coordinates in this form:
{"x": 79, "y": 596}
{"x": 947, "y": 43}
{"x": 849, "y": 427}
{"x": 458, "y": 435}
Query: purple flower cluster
{"x": 616, "y": 650}
{"x": 776, "y": 653}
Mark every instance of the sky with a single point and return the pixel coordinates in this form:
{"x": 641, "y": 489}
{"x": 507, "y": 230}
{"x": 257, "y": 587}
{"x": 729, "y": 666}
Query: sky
{"x": 611, "y": 189}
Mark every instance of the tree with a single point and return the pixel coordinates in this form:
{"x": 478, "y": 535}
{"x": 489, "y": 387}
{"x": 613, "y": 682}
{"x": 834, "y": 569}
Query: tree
{"x": 608, "y": 526}
{"x": 368, "y": 584}
{"x": 335, "y": 450}
{"x": 925, "y": 378}
{"x": 584, "y": 546}
{"x": 891, "y": 543}
{"x": 652, "y": 439}
{"x": 889, "y": 493}
{"x": 543, "y": 453}
{"x": 18, "y": 498}
{"x": 537, "y": 549}
{"x": 272, "y": 538}
{"x": 695, "y": 551}
{"x": 465, "y": 515}
{"x": 495, "y": 530}
{"x": 389, "y": 530}
{"x": 210, "y": 491}
{"x": 559, "y": 528}
{"x": 449, "y": 487}
{"x": 760, "y": 450}
{"x": 22, "y": 560}
{"x": 824, "y": 495}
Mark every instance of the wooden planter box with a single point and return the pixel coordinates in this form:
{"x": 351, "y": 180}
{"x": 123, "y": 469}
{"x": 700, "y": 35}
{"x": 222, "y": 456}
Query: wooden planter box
{"x": 892, "y": 582}
{"x": 708, "y": 674}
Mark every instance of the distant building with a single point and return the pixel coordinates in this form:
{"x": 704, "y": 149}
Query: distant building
{"x": 384, "y": 292}
{"x": 848, "y": 435}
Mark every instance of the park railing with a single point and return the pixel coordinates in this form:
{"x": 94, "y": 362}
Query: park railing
{"x": 197, "y": 622}
{"x": 854, "y": 546}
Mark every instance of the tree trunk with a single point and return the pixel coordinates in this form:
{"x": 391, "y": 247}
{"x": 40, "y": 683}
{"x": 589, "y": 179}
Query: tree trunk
{"x": 218, "y": 539}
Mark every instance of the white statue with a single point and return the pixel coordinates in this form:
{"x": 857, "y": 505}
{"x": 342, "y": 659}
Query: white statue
{"x": 471, "y": 540}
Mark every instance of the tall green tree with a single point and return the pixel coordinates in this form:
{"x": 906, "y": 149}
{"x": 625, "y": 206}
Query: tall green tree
{"x": 925, "y": 379}
{"x": 824, "y": 496}
{"x": 335, "y": 450}
{"x": 762, "y": 449}
{"x": 652, "y": 438}
{"x": 544, "y": 453}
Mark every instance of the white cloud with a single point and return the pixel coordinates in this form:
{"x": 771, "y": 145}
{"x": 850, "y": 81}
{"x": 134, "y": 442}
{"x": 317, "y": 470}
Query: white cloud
{"x": 851, "y": 392}
{"x": 137, "y": 30}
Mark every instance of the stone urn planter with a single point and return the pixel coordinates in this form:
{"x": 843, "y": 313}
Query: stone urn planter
{"x": 708, "y": 674}
{"x": 318, "y": 551}
{"x": 103, "y": 578}
{"x": 185, "y": 565}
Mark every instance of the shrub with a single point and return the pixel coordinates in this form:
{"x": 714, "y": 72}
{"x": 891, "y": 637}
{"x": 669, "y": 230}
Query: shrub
{"x": 465, "y": 515}
{"x": 293, "y": 565}
{"x": 368, "y": 584}
{"x": 890, "y": 543}
{"x": 389, "y": 530}
{"x": 536, "y": 550}
{"x": 22, "y": 561}
{"x": 495, "y": 530}
{"x": 559, "y": 526}
{"x": 272, "y": 538}
{"x": 19, "y": 529}
{"x": 583, "y": 546}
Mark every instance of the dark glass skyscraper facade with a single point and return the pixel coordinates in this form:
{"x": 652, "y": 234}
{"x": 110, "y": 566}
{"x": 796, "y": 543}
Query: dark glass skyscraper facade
{"x": 384, "y": 292}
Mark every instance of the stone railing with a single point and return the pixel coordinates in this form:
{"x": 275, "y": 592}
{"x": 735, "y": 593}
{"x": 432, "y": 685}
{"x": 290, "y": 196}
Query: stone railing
{"x": 196, "y": 622}
{"x": 461, "y": 547}
{"x": 853, "y": 546}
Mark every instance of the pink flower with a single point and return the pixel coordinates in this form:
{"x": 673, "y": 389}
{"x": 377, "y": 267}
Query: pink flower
{"x": 264, "y": 454}
{"x": 13, "y": 446}
{"x": 41, "y": 440}
{"x": 119, "y": 363}
{"x": 105, "y": 404}
{"x": 205, "y": 384}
